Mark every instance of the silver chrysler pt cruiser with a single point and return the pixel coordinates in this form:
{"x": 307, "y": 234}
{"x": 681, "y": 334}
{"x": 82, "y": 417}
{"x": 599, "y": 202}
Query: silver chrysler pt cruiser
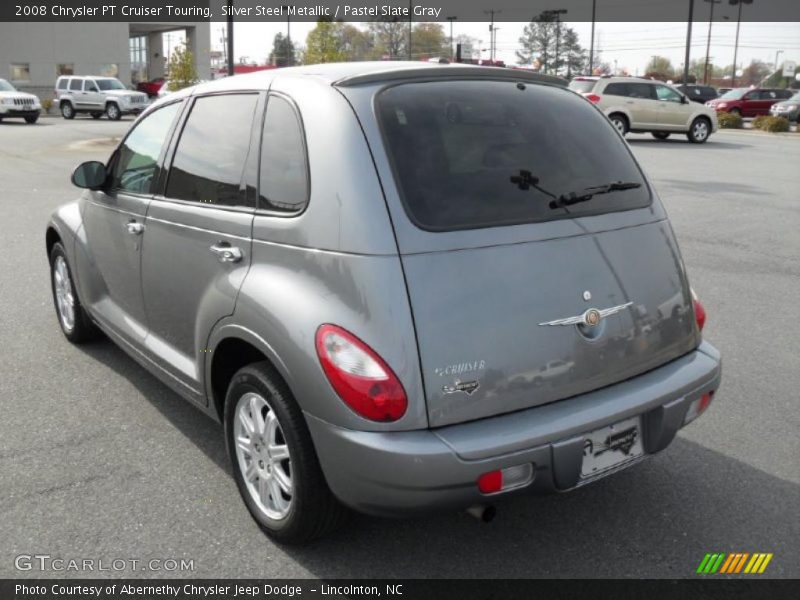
{"x": 400, "y": 287}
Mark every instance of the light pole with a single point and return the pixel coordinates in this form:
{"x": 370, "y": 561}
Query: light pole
{"x": 289, "y": 57}
{"x": 688, "y": 43}
{"x": 451, "y": 19}
{"x": 708, "y": 39}
{"x": 736, "y": 43}
{"x": 230, "y": 38}
{"x": 556, "y": 14}
{"x": 410, "y": 21}
{"x": 492, "y": 12}
{"x": 591, "y": 45}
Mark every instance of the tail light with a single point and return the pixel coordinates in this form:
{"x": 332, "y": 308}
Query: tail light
{"x": 593, "y": 98}
{"x": 360, "y": 377}
{"x": 699, "y": 311}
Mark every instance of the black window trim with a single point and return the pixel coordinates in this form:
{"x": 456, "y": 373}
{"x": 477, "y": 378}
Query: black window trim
{"x": 265, "y": 212}
{"x": 458, "y": 229}
{"x": 160, "y": 161}
{"x": 172, "y": 148}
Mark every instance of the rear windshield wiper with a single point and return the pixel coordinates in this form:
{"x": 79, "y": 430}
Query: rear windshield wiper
{"x": 590, "y": 192}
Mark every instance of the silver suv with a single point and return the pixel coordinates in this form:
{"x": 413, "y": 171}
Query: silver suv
{"x": 97, "y": 96}
{"x": 400, "y": 287}
{"x": 643, "y": 105}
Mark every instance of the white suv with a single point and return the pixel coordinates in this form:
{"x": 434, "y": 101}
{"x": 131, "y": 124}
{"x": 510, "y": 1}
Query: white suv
{"x": 638, "y": 105}
{"x": 97, "y": 96}
{"x": 18, "y": 105}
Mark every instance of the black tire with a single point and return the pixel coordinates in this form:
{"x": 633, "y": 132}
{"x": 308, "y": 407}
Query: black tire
{"x": 699, "y": 131}
{"x": 96, "y": 115}
{"x": 67, "y": 110}
{"x": 83, "y": 329}
{"x": 314, "y": 511}
{"x": 660, "y": 135}
{"x": 31, "y": 120}
{"x": 620, "y": 123}
{"x": 1, "y": 119}
{"x": 113, "y": 112}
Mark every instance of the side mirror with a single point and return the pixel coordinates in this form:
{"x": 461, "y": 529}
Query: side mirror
{"x": 90, "y": 175}
{"x": 684, "y": 100}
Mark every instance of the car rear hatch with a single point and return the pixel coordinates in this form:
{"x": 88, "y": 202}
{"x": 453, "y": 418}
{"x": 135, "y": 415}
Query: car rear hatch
{"x": 522, "y": 292}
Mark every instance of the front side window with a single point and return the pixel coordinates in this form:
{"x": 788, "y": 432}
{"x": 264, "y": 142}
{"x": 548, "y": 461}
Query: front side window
{"x": 75, "y": 85}
{"x": 210, "y": 157}
{"x": 469, "y": 154}
{"x": 667, "y": 94}
{"x": 284, "y": 172}
{"x": 136, "y": 167}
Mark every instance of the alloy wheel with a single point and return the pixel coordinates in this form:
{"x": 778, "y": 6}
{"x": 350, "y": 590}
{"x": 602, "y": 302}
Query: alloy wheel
{"x": 64, "y": 296}
{"x": 263, "y": 456}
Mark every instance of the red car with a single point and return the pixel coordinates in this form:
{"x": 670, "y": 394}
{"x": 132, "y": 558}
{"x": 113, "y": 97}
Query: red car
{"x": 150, "y": 87}
{"x": 749, "y": 102}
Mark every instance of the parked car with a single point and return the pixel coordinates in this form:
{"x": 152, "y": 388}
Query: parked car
{"x": 697, "y": 93}
{"x": 97, "y": 96}
{"x": 18, "y": 105}
{"x": 359, "y": 320}
{"x": 643, "y": 105}
{"x": 749, "y": 102}
{"x": 152, "y": 87}
{"x": 789, "y": 109}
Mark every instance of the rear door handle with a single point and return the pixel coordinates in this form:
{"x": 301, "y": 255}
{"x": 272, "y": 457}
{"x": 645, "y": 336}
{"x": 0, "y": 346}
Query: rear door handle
{"x": 226, "y": 253}
{"x": 134, "y": 227}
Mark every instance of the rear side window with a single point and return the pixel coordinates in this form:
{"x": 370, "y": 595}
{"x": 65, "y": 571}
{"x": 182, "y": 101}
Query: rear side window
{"x": 210, "y": 157}
{"x": 643, "y": 91}
{"x": 469, "y": 154}
{"x": 284, "y": 170}
{"x": 582, "y": 85}
{"x": 75, "y": 85}
{"x": 617, "y": 89}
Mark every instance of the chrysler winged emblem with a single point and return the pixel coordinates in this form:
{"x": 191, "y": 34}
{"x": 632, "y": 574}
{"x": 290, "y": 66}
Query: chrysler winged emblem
{"x": 589, "y": 318}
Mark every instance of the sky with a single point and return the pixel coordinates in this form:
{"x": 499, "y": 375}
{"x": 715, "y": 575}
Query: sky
{"x": 629, "y": 44}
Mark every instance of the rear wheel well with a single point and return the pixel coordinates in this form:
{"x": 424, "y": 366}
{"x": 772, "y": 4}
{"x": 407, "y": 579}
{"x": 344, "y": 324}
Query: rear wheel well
{"x": 621, "y": 116}
{"x": 230, "y": 355}
{"x": 50, "y": 239}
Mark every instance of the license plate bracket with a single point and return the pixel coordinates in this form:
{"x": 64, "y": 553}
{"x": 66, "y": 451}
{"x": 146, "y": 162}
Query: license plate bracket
{"x": 610, "y": 447}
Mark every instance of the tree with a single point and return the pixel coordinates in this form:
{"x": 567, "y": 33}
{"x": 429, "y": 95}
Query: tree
{"x": 283, "y": 52}
{"x": 182, "y": 70}
{"x": 356, "y": 44}
{"x": 324, "y": 43}
{"x": 389, "y": 37}
{"x": 660, "y": 67}
{"x": 575, "y": 58}
{"x": 755, "y": 72}
{"x": 429, "y": 41}
{"x": 538, "y": 41}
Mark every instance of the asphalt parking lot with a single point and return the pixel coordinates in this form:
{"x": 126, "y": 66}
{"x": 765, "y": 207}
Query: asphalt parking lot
{"x": 99, "y": 460}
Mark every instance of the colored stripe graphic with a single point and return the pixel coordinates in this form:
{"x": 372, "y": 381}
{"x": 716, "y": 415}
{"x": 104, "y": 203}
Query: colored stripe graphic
{"x": 728, "y": 563}
{"x": 765, "y": 563}
{"x": 717, "y": 563}
{"x": 734, "y": 563}
{"x": 741, "y": 562}
{"x": 703, "y": 563}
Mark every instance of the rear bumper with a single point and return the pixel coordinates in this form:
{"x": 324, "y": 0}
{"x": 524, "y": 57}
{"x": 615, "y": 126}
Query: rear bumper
{"x": 397, "y": 473}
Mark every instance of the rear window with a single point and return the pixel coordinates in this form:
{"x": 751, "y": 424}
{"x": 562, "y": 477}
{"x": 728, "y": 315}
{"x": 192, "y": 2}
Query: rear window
{"x": 582, "y": 86}
{"x": 461, "y": 153}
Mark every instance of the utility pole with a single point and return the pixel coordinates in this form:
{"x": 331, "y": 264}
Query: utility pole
{"x": 230, "y": 38}
{"x": 708, "y": 39}
{"x": 410, "y": 20}
{"x": 451, "y": 19}
{"x": 688, "y": 43}
{"x": 777, "y": 54}
{"x": 736, "y": 44}
{"x": 492, "y": 12}
{"x": 591, "y": 45}
{"x": 496, "y": 29}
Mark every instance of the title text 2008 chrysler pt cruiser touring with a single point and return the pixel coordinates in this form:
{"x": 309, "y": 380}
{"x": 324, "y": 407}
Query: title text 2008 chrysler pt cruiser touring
{"x": 400, "y": 287}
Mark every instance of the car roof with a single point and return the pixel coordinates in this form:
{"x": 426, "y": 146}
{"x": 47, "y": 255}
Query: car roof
{"x": 357, "y": 73}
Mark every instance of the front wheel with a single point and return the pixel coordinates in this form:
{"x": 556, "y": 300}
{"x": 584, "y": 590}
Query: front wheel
{"x": 660, "y": 135}
{"x": 274, "y": 462}
{"x": 73, "y": 318}
{"x": 699, "y": 131}
{"x": 113, "y": 112}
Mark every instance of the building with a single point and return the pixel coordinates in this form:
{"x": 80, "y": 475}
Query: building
{"x": 33, "y": 55}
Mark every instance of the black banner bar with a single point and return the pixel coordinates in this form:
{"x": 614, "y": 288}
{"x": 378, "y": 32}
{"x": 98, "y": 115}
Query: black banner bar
{"x": 164, "y": 11}
{"x": 398, "y": 589}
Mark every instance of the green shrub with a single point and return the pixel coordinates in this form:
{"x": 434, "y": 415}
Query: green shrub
{"x": 758, "y": 122}
{"x": 775, "y": 124}
{"x": 729, "y": 121}
{"x": 47, "y": 104}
